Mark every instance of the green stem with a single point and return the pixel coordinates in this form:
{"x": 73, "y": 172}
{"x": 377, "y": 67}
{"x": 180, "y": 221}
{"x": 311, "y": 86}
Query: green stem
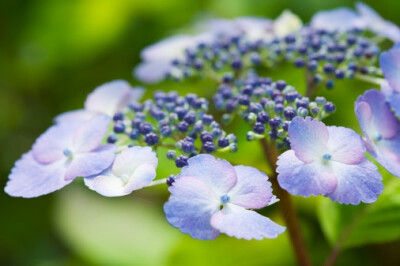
{"x": 157, "y": 182}
{"x": 287, "y": 208}
{"x": 373, "y": 80}
{"x": 311, "y": 87}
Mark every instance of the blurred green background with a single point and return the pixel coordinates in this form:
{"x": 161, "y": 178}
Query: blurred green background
{"x": 53, "y": 53}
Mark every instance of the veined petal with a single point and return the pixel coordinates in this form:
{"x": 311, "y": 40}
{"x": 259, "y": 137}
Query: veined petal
{"x": 112, "y": 96}
{"x": 308, "y": 138}
{"x": 191, "y": 206}
{"x": 340, "y": 19}
{"x": 303, "y": 179}
{"x": 90, "y": 163}
{"x": 387, "y": 153}
{"x": 30, "y": 179}
{"x": 90, "y": 134}
{"x": 389, "y": 62}
{"x": 238, "y": 222}
{"x": 356, "y": 183}
{"x": 130, "y": 159}
{"x": 252, "y": 190}
{"x": 49, "y": 147}
{"x": 379, "y": 119}
{"x": 219, "y": 175}
{"x": 345, "y": 145}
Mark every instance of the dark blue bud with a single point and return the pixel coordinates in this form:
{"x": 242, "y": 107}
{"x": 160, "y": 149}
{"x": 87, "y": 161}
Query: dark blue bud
{"x": 351, "y": 39}
{"x": 170, "y": 180}
{"x": 329, "y": 68}
{"x": 231, "y": 105}
{"x": 315, "y": 110}
{"x": 285, "y": 125}
{"x": 216, "y": 132}
{"x": 207, "y": 119}
{"x": 112, "y": 139}
{"x": 320, "y": 100}
{"x": 273, "y": 134}
{"x": 171, "y": 155}
{"x": 329, "y": 107}
{"x": 118, "y": 116}
{"x": 134, "y": 134}
{"x": 183, "y": 126}
{"x": 280, "y": 85}
{"x": 215, "y": 124}
{"x": 275, "y": 122}
{"x": 364, "y": 70}
{"x": 279, "y": 108}
{"x": 190, "y": 117}
{"x": 119, "y": 127}
{"x": 181, "y": 161}
{"x": 301, "y": 103}
{"x": 227, "y": 78}
{"x": 244, "y": 100}
{"x": 329, "y": 84}
{"x": 151, "y": 139}
{"x": 255, "y": 58}
{"x": 236, "y": 64}
{"x": 180, "y": 111}
{"x": 289, "y": 113}
{"x": 352, "y": 66}
{"x": 209, "y": 147}
{"x": 248, "y": 90}
{"x": 358, "y": 52}
{"x": 339, "y": 74}
{"x": 137, "y": 107}
{"x": 223, "y": 142}
{"x": 145, "y": 128}
{"x": 299, "y": 62}
{"x": 165, "y": 131}
{"x": 206, "y": 137}
{"x": 312, "y": 65}
{"x": 262, "y": 117}
{"x": 259, "y": 128}
{"x": 232, "y": 138}
{"x": 290, "y": 38}
{"x": 255, "y": 107}
{"x": 187, "y": 146}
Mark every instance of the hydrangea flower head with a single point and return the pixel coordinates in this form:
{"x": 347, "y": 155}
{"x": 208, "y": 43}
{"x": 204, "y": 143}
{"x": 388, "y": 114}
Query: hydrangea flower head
{"x": 65, "y": 151}
{"x": 390, "y": 65}
{"x": 210, "y": 196}
{"x": 133, "y": 169}
{"x": 381, "y": 129}
{"x": 327, "y": 161}
{"x": 106, "y": 99}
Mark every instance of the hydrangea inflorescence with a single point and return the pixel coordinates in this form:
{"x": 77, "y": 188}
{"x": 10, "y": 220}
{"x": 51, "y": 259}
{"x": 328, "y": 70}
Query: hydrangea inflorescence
{"x": 113, "y": 142}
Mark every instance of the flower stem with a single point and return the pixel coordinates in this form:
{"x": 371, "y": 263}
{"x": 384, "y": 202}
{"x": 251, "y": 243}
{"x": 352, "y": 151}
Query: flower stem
{"x": 373, "y": 80}
{"x": 287, "y": 208}
{"x": 158, "y": 182}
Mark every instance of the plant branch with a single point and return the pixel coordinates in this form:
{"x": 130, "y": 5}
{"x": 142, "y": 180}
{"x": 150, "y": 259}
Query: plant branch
{"x": 287, "y": 208}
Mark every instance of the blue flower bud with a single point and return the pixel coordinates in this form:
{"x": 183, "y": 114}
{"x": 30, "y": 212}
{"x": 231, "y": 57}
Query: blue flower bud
{"x": 280, "y": 85}
{"x": 299, "y": 62}
{"x": 183, "y": 126}
{"x": 206, "y": 137}
{"x": 329, "y": 84}
{"x": 259, "y": 128}
{"x": 329, "y": 107}
{"x": 181, "y": 161}
{"x": 301, "y": 111}
{"x": 223, "y": 142}
{"x": 118, "y": 116}
{"x": 119, "y": 127}
{"x": 285, "y": 125}
{"x": 289, "y": 113}
{"x": 112, "y": 139}
{"x": 165, "y": 131}
{"x": 275, "y": 122}
{"x": 209, "y": 147}
{"x": 170, "y": 180}
{"x": 262, "y": 117}
{"x": 151, "y": 139}
{"x": 171, "y": 155}
{"x": 207, "y": 119}
{"x": 145, "y": 128}
{"x": 134, "y": 134}
{"x": 187, "y": 146}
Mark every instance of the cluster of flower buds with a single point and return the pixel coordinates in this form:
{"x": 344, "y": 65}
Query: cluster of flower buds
{"x": 170, "y": 120}
{"x": 267, "y": 106}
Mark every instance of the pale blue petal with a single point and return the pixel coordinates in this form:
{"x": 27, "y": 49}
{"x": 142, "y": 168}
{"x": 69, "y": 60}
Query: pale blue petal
{"x": 387, "y": 153}
{"x": 219, "y": 175}
{"x": 308, "y": 138}
{"x": 356, "y": 183}
{"x": 236, "y": 221}
{"x": 90, "y": 134}
{"x": 167, "y": 49}
{"x": 252, "y": 190}
{"x": 303, "y": 179}
{"x": 153, "y": 72}
{"x": 128, "y": 160}
{"x": 345, "y": 145}
{"x": 191, "y": 206}
{"x": 390, "y": 64}
{"x": 76, "y": 115}
{"x": 340, "y": 19}
{"x": 49, "y": 147}
{"x": 90, "y": 163}
{"x": 30, "y": 179}
{"x": 394, "y": 101}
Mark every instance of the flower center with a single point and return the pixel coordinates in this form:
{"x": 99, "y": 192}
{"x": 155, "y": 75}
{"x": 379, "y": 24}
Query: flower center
{"x": 378, "y": 137}
{"x": 224, "y": 199}
{"x": 326, "y": 157}
{"x": 67, "y": 153}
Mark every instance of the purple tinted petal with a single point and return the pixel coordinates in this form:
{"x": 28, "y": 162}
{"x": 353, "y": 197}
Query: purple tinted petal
{"x": 238, "y": 222}
{"x": 167, "y": 48}
{"x": 76, "y": 115}
{"x": 49, "y": 147}
{"x": 191, "y": 206}
{"x": 387, "y": 153}
{"x": 252, "y": 190}
{"x": 394, "y": 101}
{"x": 380, "y": 119}
{"x": 89, "y": 135}
{"x": 152, "y": 72}
{"x": 340, "y": 19}
{"x": 218, "y": 174}
{"x": 304, "y": 179}
{"x": 356, "y": 183}
{"x": 308, "y": 138}
{"x": 345, "y": 145}
{"x": 390, "y": 65}
{"x": 111, "y": 97}
{"x": 30, "y": 179}
{"x": 91, "y": 163}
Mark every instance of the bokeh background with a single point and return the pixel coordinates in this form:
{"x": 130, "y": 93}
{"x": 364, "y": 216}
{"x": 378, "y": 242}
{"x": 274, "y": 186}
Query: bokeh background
{"x": 53, "y": 53}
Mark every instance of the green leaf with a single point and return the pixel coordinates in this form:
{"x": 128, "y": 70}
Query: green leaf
{"x": 114, "y": 231}
{"x": 363, "y": 224}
